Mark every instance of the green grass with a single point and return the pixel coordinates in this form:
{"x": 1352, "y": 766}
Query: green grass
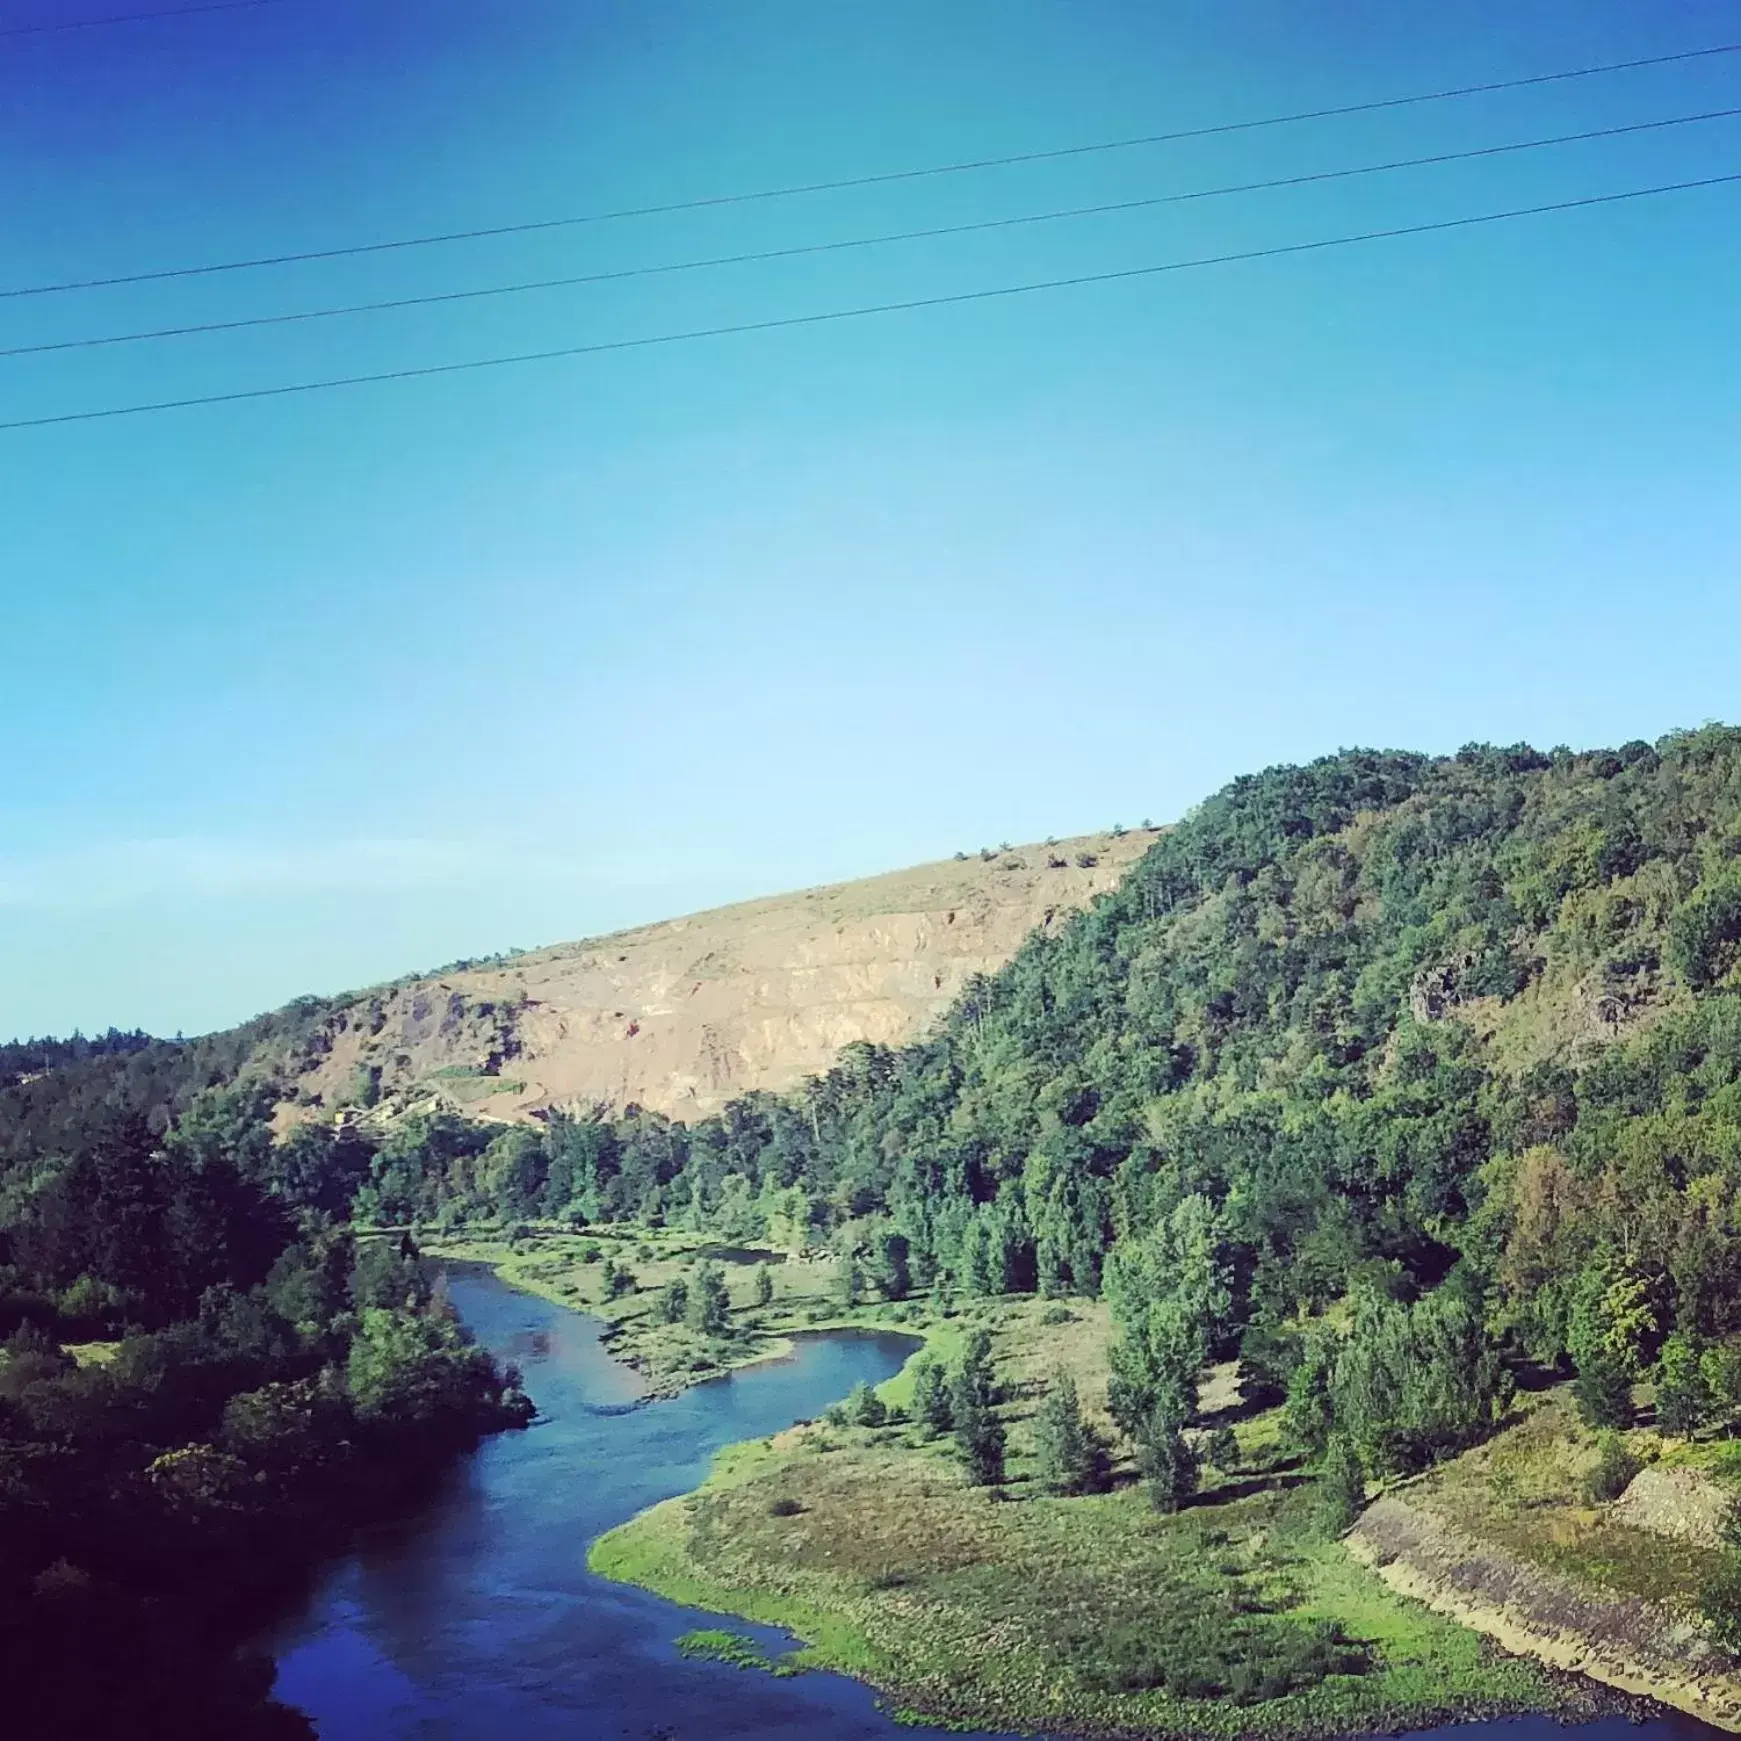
{"x": 1076, "y": 1614}
{"x": 1525, "y": 1491}
{"x": 92, "y": 1353}
{"x": 716, "y": 1644}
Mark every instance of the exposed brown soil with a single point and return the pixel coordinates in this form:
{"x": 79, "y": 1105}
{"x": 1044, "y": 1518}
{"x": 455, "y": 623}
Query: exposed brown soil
{"x": 683, "y": 1015}
{"x": 1640, "y": 1646}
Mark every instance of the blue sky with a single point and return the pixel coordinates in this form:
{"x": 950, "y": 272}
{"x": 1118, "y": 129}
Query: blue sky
{"x": 304, "y": 693}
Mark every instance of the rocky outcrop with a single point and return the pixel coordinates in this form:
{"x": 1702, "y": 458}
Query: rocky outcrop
{"x": 1679, "y": 1503}
{"x": 684, "y": 1015}
{"x": 1624, "y": 1641}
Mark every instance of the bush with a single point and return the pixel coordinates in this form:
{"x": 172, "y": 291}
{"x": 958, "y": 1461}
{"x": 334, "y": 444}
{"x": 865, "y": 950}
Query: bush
{"x": 1221, "y": 1448}
{"x": 1720, "y": 1603}
{"x": 1341, "y": 1486}
{"x": 784, "y": 1507}
{"x": 1615, "y": 1466}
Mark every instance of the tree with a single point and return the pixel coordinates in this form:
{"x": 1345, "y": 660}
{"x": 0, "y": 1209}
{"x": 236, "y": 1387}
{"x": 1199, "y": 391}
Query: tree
{"x": 1309, "y": 1416}
{"x": 890, "y": 1267}
{"x": 1221, "y": 1448}
{"x": 762, "y": 1289}
{"x": 980, "y": 1435}
{"x": 931, "y": 1396}
{"x": 847, "y": 1280}
{"x": 1613, "y": 1470}
{"x": 1683, "y": 1396}
{"x": 1602, "y": 1390}
{"x": 618, "y": 1279}
{"x": 1720, "y": 1367}
{"x": 1720, "y": 1599}
{"x": 1415, "y": 1383}
{"x": 673, "y": 1301}
{"x": 973, "y": 1398}
{"x": 1166, "y": 1460}
{"x": 975, "y": 1383}
{"x": 865, "y": 1407}
{"x": 708, "y": 1309}
{"x": 407, "y": 1371}
{"x": 1341, "y": 1485}
{"x": 1071, "y": 1455}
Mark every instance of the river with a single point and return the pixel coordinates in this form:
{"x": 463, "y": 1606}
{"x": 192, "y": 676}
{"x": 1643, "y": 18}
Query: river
{"x": 477, "y": 1620}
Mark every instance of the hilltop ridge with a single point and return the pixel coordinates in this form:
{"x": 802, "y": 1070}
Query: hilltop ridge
{"x": 683, "y": 1015}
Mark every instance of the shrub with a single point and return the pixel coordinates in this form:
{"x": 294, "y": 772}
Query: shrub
{"x": 1221, "y": 1447}
{"x": 1614, "y": 1468}
{"x": 1720, "y": 1602}
{"x": 866, "y": 1407}
{"x": 1341, "y": 1486}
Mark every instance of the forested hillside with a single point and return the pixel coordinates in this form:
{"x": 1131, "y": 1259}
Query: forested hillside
{"x": 1378, "y": 1015}
{"x": 1395, "y": 1074}
{"x": 1384, "y": 1016}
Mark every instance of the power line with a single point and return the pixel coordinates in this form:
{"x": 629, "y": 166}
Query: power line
{"x": 827, "y": 316}
{"x": 807, "y": 248}
{"x": 881, "y": 178}
{"x": 134, "y": 17}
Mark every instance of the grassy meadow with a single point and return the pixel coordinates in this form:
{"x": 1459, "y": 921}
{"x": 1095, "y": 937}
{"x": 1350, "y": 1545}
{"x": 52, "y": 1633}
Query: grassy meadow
{"x": 1012, "y": 1608}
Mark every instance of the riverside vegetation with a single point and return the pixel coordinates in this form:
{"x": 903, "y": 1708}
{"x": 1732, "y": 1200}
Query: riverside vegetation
{"x": 1411, "y": 1085}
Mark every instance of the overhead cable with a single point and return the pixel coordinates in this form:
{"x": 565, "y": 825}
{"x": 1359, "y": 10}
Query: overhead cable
{"x": 64, "y": 24}
{"x": 880, "y": 178}
{"x": 827, "y": 316}
{"x": 808, "y": 248}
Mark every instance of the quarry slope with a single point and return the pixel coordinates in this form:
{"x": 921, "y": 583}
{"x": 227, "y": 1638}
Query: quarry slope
{"x": 683, "y": 1015}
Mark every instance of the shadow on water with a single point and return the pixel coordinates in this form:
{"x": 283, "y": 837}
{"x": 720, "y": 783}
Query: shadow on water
{"x": 476, "y": 1618}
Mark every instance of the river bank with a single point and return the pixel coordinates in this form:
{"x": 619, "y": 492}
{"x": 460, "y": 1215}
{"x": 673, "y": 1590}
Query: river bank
{"x": 1019, "y": 1612}
{"x": 570, "y": 1269}
{"x": 478, "y": 1617}
{"x": 1087, "y": 1615}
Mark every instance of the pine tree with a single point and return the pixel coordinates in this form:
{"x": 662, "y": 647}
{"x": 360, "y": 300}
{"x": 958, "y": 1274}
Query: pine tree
{"x": 848, "y": 1281}
{"x": 673, "y": 1301}
{"x": 1166, "y": 1460}
{"x": 980, "y": 1435}
{"x": 1683, "y": 1394}
{"x": 931, "y": 1396}
{"x": 1072, "y": 1456}
{"x": 762, "y": 1292}
{"x": 1603, "y": 1390}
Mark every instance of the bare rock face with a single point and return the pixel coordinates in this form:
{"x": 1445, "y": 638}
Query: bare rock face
{"x": 684, "y": 1015}
{"x": 1674, "y": 1502}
